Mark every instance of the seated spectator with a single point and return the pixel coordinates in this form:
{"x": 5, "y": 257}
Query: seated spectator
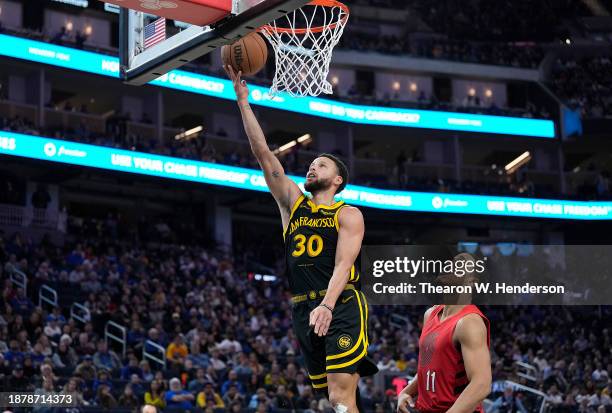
{"x": 177, "y": 397}
{"x": 53, "y": 329}
{"x": 137, "y": 386}
{"x": 85, "y": 347}
{"x": 47, "y": 373}
{"x": 232, "y": 380}
{"x": 105, "y": 399}
{"x": 128, "y": 399}
{"x": 72, "y": 387}
{"x": 177, "y": 350}
{"x": 131, "y": 368}
{"x": 243, "y": 368}
{"x": 65, "y": 356}
{"x": 508, "y": 402}
{"x": 105, "y": 358}
{"x": 102, "y": 379}
{"x": 282, "y": 400}
{"x": 554, "y": 396}
{"x": 34, "y": 325}
{"x": 19, "y": 382}
{"x": 387, "y": 363}
{"x": 235, "y": 408}
{"x": 273, "y": 380}
{"x": 198, "y": 358}
{"x": 209, "y": 397}
{"x": 23, "y": 342}
{"x": 215, "y": 360}
{"x": 263, "y": 407}
{"x": 186, "y": 371}
{"x": 259, "y": 398}
{"x": 154, "y": 336}
{"x": 45, "y": 387}
{"x": 230, "y": 344}
{"x": 155, "y": 396}
{"x": 14, "y": 355}
{"x": 147, "y": 374}
{"x": 136, "y": 333}
{"x": 21, "y": 303}
{"x": 233, "y": 396}
{"x": 197, "y": 384}
{"x": 37, "y": 355}
{"x": 304, "y": 399}
{"x": 86, "y": 368}
{"x": 29, "y": 369}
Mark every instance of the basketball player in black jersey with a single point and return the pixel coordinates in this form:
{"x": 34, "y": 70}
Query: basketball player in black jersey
{"x": 322, "y": 241}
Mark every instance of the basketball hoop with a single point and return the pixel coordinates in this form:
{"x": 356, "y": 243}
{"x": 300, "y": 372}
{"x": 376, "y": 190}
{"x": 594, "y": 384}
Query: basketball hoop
{"x": 303, "y": 41}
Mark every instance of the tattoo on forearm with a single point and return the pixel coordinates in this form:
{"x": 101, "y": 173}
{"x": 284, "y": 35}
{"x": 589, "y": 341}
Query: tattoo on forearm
{"x": 275, "y": 174}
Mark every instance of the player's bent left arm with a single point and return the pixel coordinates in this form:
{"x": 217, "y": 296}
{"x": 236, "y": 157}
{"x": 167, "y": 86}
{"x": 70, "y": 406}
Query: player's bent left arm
{"x": 471, "y": 333}
{"x": 351, "y": 229}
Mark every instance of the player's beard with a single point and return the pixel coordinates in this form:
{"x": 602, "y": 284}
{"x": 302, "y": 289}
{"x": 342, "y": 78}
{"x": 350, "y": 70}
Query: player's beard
{"x": 317, "y": 185}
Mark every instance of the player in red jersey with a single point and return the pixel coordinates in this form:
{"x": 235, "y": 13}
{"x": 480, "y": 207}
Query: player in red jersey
{"x": 454, "y": 368}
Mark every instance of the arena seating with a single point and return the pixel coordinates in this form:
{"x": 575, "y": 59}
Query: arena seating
{"x": 524, "y": 20}
{"x": 594, "y": 185}
{"x": 502, "y": 54}
{"x": 228, "y": 339}
{"x": 585, "y": 84}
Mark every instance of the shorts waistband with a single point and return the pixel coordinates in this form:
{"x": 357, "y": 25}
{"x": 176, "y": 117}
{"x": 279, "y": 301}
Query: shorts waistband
{"x": 314, "y": 294}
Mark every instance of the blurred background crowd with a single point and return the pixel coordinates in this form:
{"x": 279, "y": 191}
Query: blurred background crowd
{"x": 227, "y": 337}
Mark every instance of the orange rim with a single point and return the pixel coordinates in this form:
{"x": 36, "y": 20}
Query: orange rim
{"x": 318, "y": 29}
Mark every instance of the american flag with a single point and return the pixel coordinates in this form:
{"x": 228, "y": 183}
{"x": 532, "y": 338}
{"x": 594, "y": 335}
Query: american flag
{"x": 155, "y": 32}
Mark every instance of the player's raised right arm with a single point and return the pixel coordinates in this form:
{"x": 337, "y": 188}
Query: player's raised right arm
{"x": 283, "y": 189}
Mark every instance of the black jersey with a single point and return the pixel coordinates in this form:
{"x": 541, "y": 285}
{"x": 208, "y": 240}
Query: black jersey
{"x": 310, "y": 245}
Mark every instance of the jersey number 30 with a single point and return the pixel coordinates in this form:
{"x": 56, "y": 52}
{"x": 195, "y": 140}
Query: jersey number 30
{"x": 314, "y": 245}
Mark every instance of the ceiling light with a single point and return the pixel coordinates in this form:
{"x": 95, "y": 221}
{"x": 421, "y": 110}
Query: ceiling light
{"x": 521, "y": 160}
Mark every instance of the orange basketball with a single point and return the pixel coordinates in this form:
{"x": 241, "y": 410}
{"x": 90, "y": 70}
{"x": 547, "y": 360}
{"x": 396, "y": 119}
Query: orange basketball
{"x": 248, "y": 54}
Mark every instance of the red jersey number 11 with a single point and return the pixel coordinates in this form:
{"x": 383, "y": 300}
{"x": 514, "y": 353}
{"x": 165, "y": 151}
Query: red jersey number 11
{"x": 431, "y": 381}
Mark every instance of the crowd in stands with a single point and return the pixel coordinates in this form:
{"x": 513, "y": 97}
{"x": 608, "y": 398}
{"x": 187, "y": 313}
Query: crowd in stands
{"x": 227, "y": 338}
{"x": 480, "y": 20}
{"x": 504, "y": 54}
{"x": 596, "y": 184}
{"x": 585, "y": 84}
{"x": 467, "y": 104}
{"x": 440, "y": 48}
{"x": 518, "y": 56}
{"x": 573, "y": 364}
{"x": 523, "y": 55}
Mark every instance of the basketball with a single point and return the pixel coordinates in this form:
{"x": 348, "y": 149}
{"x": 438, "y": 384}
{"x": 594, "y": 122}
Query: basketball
{"x": 248, "y": 54}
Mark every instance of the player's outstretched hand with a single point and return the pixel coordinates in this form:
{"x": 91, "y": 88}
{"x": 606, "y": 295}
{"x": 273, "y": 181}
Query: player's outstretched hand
{"x": 405, "y": 403}
{"x": 240, "y": 86}
{"x": 320, "y": 319}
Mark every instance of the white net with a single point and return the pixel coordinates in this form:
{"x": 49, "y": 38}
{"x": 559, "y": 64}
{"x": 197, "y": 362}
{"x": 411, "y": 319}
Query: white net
{"x": 303, "y": 42}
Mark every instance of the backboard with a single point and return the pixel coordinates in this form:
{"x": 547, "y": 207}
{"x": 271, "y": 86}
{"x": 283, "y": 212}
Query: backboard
{"x": 205, "y": 25}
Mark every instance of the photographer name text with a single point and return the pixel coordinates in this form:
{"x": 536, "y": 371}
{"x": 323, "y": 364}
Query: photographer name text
{"x": 479, "y": 288}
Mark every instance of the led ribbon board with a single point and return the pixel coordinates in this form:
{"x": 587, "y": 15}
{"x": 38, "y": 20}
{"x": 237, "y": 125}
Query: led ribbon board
{"x": 71, "y": 153}
{"x": 222, "y": 88}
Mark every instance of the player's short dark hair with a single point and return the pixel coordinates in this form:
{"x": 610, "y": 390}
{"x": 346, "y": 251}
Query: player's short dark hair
{"x": 342, "y": 169}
